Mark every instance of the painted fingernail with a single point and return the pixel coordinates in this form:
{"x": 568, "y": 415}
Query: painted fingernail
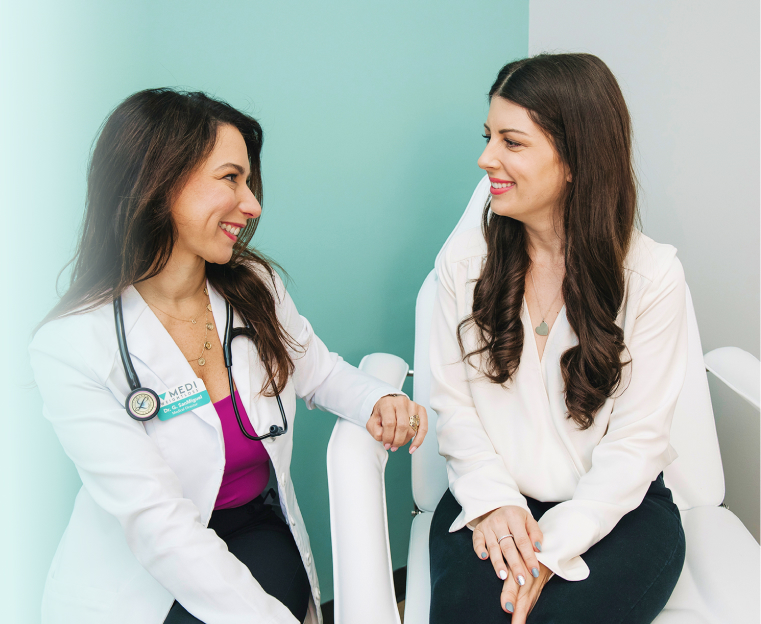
{"x": 509, "y": 607}
{"x": 538, "y": 546}
{"x": 393, "y": 449}
{"x": 535, "y": 572}
{"x": 386, "y": 446}
{"x": 413, "y": 449}
{"x": 521, "y": 580}
{"x": 502, "y": 574}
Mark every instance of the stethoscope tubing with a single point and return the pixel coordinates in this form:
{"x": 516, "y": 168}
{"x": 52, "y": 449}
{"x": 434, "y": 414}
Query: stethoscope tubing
{"x": 230, "y": 334}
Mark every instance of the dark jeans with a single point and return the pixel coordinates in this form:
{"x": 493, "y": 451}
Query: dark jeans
{"x": 259, "y": 538}
{"x": 632, "y": 570}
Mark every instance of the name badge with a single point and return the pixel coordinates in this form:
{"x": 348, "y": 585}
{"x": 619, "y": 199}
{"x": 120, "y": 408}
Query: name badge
{"x": 183, "y": 398}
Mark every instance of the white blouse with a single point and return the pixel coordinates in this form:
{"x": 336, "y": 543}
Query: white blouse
{"x": 502, "y": 443}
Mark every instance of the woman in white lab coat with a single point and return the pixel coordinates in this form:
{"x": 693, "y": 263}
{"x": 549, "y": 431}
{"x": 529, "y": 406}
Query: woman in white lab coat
{"x": 172, "y": 523}
{"x": 558, "y": 351}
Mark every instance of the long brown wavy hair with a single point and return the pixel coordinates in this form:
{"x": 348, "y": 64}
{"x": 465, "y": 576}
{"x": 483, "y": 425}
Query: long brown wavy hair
{"x": 147, "y": 149}
{"x": 576, "y": 101}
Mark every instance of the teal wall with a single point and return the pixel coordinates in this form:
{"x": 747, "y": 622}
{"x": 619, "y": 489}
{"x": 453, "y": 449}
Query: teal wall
{"x": 372, "y": 117}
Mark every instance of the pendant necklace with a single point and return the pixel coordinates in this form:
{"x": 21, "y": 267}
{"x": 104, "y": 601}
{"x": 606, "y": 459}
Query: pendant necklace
{"x": 543, "y": 329}
{"x": 206, "y": 344}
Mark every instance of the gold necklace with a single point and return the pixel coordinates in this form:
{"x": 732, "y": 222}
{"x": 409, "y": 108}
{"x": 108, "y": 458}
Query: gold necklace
{"x": 206, "y": 344}
{"x": 193, "y": 320}
{"x": 543, "y": 329}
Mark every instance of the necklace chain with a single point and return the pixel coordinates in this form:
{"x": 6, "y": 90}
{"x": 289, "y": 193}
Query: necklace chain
{"x": 543, "y": 329}
{"x": 206, "y": 344}
{"x": 193, "y": 320}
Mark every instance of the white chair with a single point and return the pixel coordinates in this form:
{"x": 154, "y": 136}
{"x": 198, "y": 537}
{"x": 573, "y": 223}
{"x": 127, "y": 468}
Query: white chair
{"x": 720, "y": 580}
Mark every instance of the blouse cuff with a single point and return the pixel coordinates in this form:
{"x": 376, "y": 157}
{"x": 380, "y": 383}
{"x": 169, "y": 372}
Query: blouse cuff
{"x": 567, "y": 535}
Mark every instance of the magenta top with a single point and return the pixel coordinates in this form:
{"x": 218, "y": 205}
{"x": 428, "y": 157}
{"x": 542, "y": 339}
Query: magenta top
{"x": 247, "y": 468}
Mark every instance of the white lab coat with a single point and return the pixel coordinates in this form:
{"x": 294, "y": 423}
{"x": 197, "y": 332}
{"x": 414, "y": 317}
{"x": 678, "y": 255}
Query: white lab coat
{"x": 137, "y": 539}
{"x": 503, "y": 443}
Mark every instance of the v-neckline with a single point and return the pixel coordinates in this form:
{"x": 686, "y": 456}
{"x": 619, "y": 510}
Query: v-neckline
{"x": 532, "y": 330}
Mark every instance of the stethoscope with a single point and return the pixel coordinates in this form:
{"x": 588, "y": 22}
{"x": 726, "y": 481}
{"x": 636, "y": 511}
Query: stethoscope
{"x": 143, "y": 403}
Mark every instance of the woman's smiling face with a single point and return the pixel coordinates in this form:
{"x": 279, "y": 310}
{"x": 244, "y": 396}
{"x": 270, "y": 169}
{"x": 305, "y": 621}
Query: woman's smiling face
{"x": 526, "y": 173}
{"x": 216, "y": 203}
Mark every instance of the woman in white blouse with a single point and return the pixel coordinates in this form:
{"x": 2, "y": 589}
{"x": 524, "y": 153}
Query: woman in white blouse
{"x": 558, "y": 351}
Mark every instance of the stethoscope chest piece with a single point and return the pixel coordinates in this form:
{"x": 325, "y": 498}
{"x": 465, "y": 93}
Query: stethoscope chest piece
{"x": 142, "y": 404}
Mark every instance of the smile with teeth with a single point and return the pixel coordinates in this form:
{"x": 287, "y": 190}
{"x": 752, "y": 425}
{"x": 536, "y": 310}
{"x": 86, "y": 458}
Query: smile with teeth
{"x": 230, "y": 228}
{"x": 498, "y": 187}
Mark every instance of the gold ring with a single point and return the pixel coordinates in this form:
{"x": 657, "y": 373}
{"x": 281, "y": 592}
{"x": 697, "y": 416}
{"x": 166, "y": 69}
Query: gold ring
{"x": 414, "y": 422}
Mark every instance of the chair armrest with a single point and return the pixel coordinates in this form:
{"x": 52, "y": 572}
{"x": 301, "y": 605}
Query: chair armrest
{"x": 738, "y": 369}
{"x": 389, "y": 368}
{"x": 363, "y": 583}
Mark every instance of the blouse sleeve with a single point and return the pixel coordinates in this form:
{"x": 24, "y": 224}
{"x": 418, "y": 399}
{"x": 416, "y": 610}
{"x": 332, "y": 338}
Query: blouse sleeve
{"x": 635, "y": 448}
{"x": 322, "y": 378}
{"x": 478, "y": 478}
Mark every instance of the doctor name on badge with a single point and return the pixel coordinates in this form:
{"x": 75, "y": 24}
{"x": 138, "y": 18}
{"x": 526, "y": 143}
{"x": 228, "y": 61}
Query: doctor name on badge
{"x": 183, "y": 398}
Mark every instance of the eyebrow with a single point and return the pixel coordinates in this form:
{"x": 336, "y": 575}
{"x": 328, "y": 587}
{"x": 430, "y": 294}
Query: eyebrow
{"x": 238, "y": 168}
{"x": 506, "y": 130}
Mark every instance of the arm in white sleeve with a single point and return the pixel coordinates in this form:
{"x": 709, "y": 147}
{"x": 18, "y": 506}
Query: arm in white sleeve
{"x": 323, "y": 379}
{"x": 124, "y": 472}
{"x": 478, "y": 477}
{"x": 635, "y": 448}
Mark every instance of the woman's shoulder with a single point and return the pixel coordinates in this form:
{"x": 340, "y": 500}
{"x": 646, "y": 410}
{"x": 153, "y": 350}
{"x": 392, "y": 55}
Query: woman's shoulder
{"x": 89, "y": 334}
{"x": 652, "y": 261}
{"x": 269, "y": 276}
{"x": 464, "y": 246}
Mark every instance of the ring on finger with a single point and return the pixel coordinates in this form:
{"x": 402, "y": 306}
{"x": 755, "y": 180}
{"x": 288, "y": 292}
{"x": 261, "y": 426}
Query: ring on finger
{"x": 505, "y": 537}
{"x": 414, "y": 422}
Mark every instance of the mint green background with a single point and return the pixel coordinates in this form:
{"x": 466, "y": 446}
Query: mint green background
{"x": 372, "y": 116}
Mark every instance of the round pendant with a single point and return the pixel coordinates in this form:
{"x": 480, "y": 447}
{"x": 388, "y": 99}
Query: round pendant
{"x": 201, "y": 361}
{"x": 209, "y": 326}
{"x": 193, "y": 321}
{"x": 207, "y": 346}
{"x": 142, "y": 404}
{"x": 543, "y": 329}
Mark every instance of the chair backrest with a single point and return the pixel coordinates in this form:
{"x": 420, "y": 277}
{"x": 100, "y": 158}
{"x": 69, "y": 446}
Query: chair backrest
{"x": 696, "y": 478}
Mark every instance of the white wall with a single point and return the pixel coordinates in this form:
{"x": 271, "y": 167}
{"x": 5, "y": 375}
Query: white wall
{"x": 689, "y": 70}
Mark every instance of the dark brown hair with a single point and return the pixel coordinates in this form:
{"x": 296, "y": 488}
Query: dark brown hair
{"x": 147, "y": 149}
{"x": 576, "y": 101}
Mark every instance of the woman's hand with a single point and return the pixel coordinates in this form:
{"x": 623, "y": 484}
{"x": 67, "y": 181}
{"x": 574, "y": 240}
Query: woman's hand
{"x": 391, "y": 422}
{"x": 509, "y": 536}
{"x": 520, "y": 600}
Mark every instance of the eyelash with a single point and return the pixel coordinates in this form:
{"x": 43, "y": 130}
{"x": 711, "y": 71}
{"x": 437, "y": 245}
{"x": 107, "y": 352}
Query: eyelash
{"x": 508, "y": 142}
{"x": 234, "y": 177}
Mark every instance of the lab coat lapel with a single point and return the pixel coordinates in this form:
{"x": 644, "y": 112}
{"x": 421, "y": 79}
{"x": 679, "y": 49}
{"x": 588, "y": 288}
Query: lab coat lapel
{"x": 158, "y": 360}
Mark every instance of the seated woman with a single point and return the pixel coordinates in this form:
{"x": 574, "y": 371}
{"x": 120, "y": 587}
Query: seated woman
{"x": 171, "y": 524}
{"x": 558, "y": 351}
